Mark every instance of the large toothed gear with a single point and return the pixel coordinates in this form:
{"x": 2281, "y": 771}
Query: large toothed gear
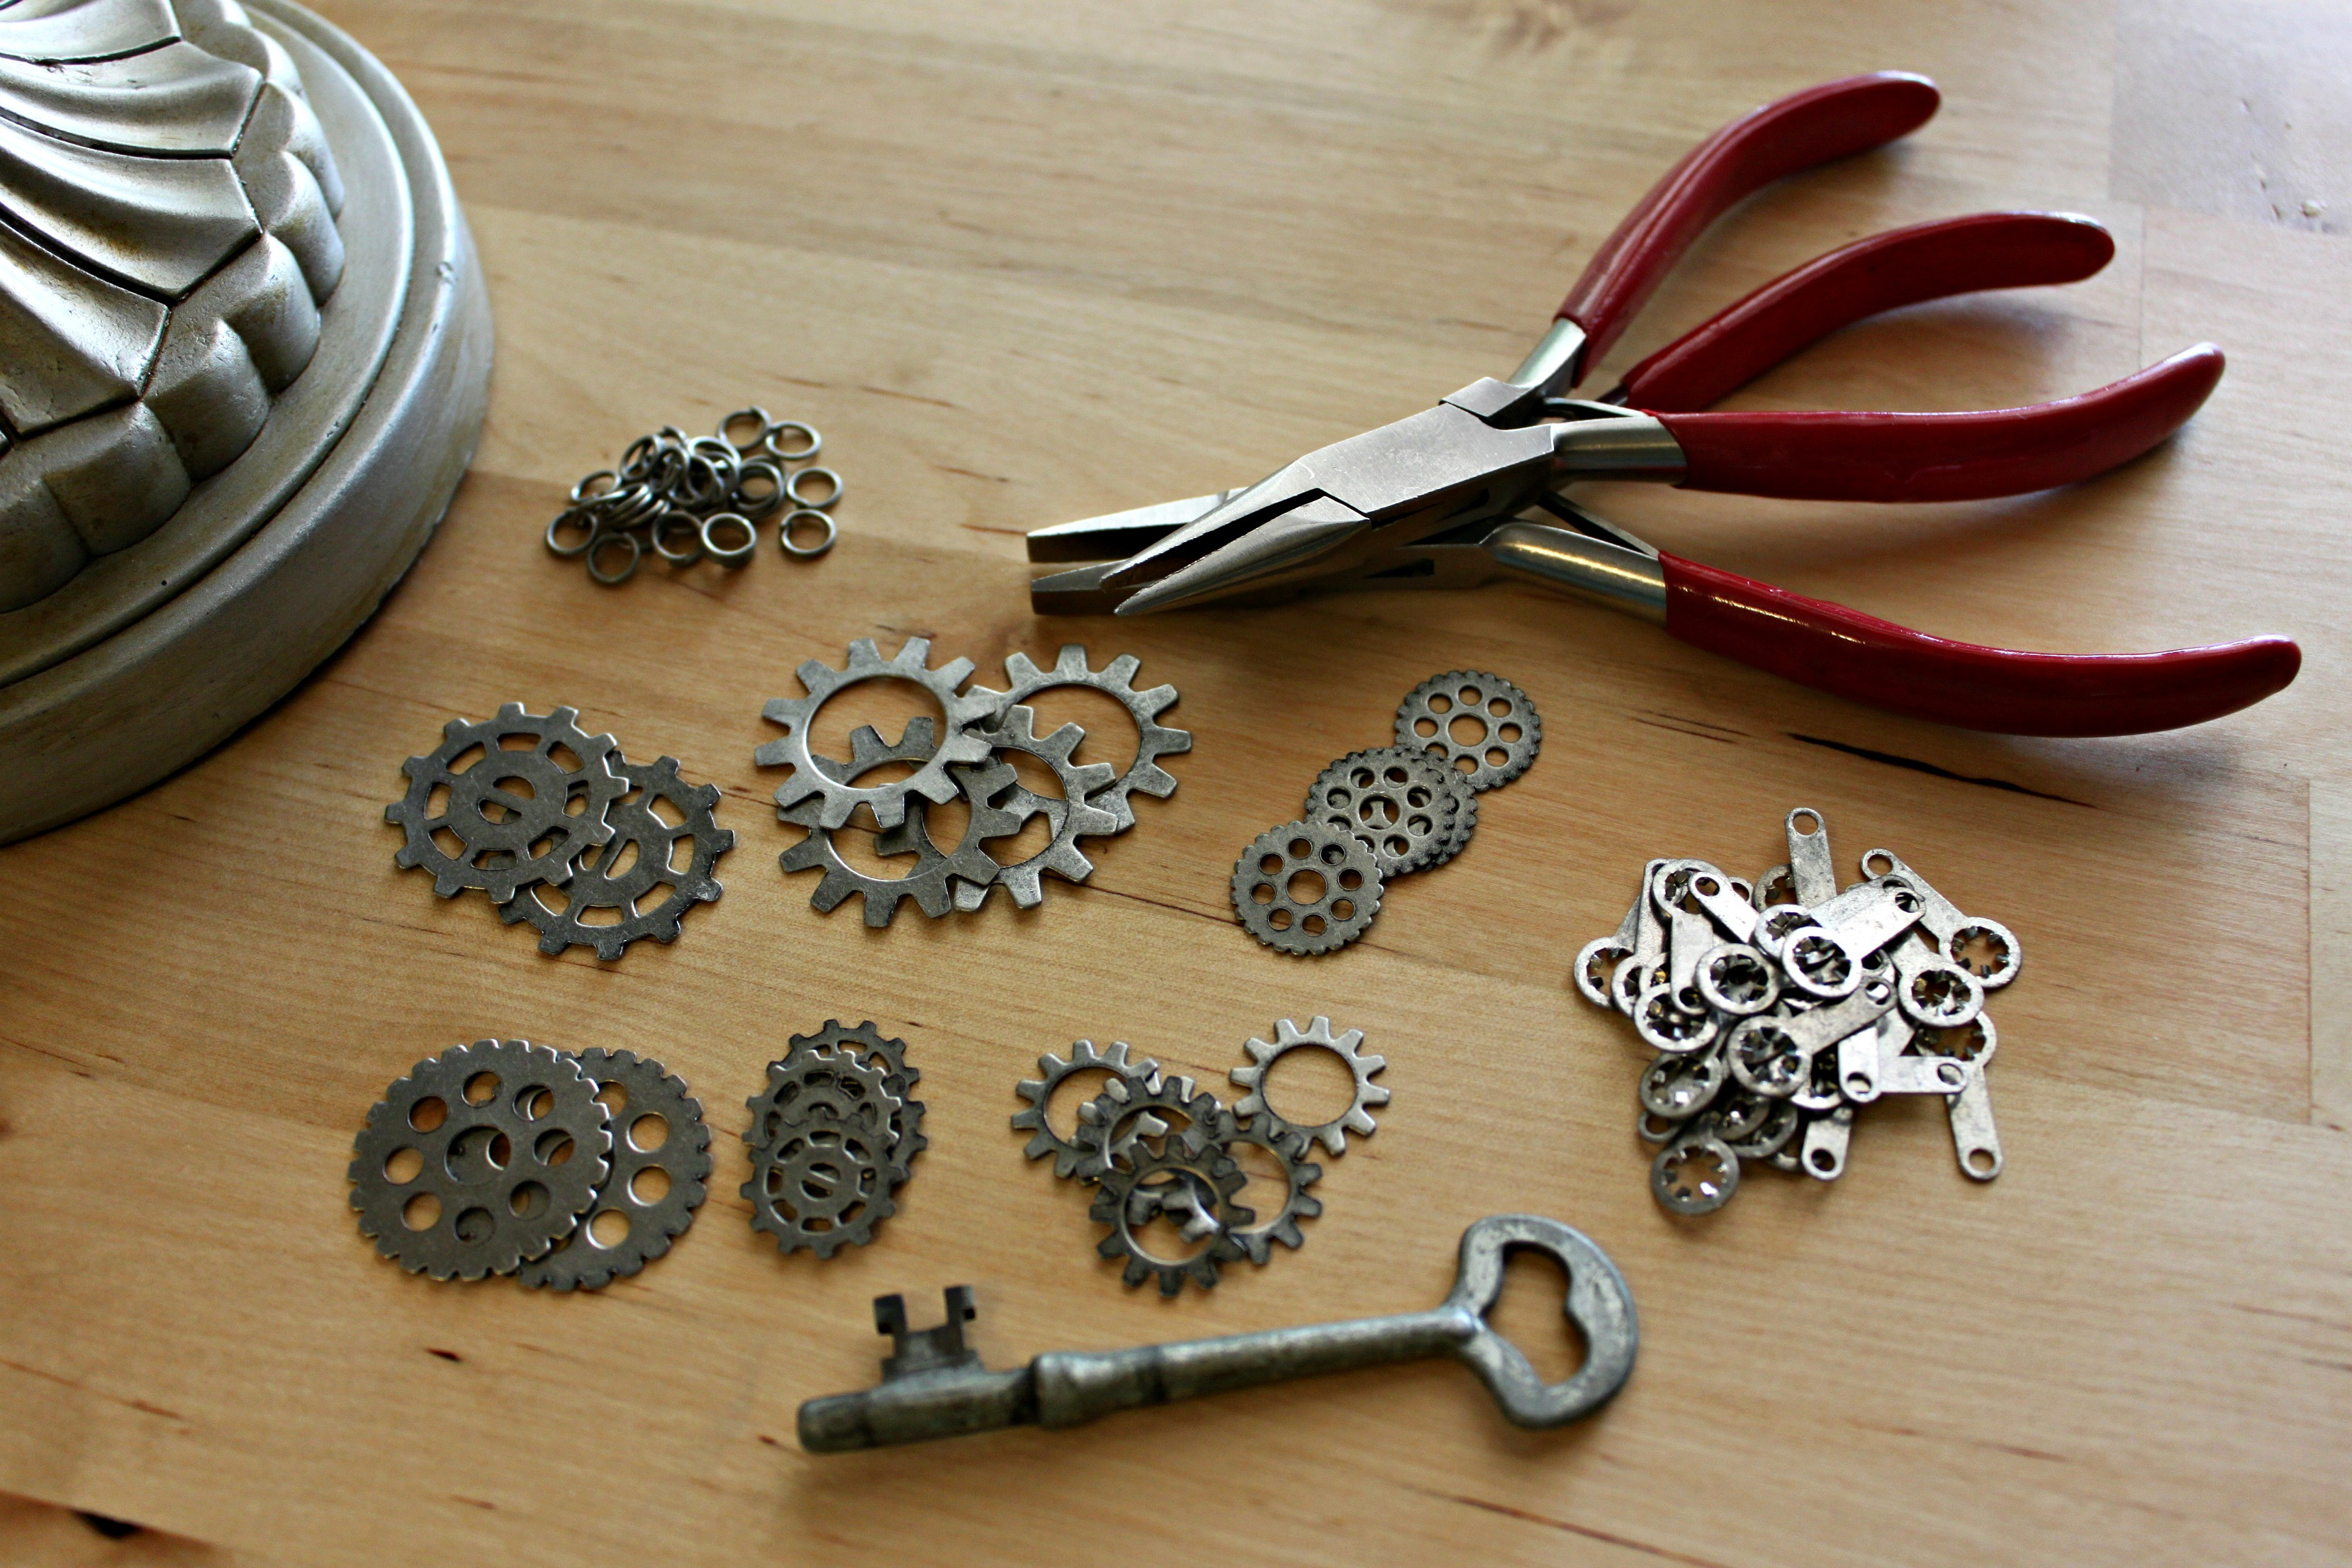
{"x": 1115, "y": 680}
{"x": 1289, "y": 1148}
{"x": 836, "y": 798}
{"x": 928, "y": 882}
{"x": 640, "y": 1095}
{"x": 1214, "y": 1178}
{"x": 1115, "y": 1124}
{"x": 1143, "y": 1073}
{"x": 564, "y": 808}
{"x": 868, "y": 1046}
{"x": 632, "y": 892}
{"x": 1073, "y": 816}
{"x": 1287, "y": 1037}
{"x": 1267, "y": 881}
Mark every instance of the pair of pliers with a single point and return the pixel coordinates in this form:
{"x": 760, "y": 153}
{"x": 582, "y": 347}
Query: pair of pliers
{"x": 1436, "y": 498}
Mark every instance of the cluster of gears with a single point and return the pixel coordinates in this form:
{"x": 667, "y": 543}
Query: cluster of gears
{"x": 1313, "y": 885}
{"x": 503, "y": 1157}
{"x": 1776, "y": 1009}
{"x": 832, "y": 1137}
{"x": 1157, "y": 1146}
{"x": 822, "y": 793}
{"x": 561, "y": 830}
{"x": 702, "y": 498}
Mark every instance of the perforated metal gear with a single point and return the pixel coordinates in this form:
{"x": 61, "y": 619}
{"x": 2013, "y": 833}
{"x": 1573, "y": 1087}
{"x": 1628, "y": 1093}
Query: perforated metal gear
{"x": 1115, "y": 680}
{"x": 836, "y": 798}
{"x": 1493, "y": 757}
{"x": 868, "y": 1045}
{"x": 1208, "y": 1172}
{"x": 1410, "y": 808}
{"x": 1287, "y": 1037}
{"x": 497, "y": 852}
{"x": 1143, "y": 1075}
{"x": 930, "y": 882}
{"x": 1349, "y": 873}
{"x": 824, "y": 1186}
{"x": 583, "y": 1260}
{"x": 1299, "y": 1173}
{"x": 510, "y": 1173}
{"x": 635, "y": 822}
{"x": 1113, "y": 1125}
{"x": 1071, "y": 816}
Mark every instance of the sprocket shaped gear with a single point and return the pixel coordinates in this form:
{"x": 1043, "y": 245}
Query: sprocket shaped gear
{"x": 1267, "y": 878}
{"x": 1289, "y": 1148}
{"x": 819, "y": 1083}
{"x": 635, "y": 822}
{"x": 868, "y": 1045}
{"x": 1114, "y": 1125}
{"x": 1115, "y": 680}
{"x": 498, "y": 852}
{"x": 836, "y": 798}
{"x": 1204, "y": 1172}
{"x": 929, "y": 883}
{"x": 1287, "y": 1037}
{"x": 1510, "y": 735}
{"x": 1413, "y": 810}
{"x": 825, "y": 1186}
{"x": 1052, "y": 1072}
{"x": 1072, "y": 816}
{"x": 644, "y": 1091}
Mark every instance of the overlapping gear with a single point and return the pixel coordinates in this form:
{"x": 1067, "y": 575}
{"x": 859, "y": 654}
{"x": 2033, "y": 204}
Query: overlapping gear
{"x": 504, "y": 1157}
{"x": 1158, "y": 1146}
{"x": 832, "y": 1137}
{"x": 984, "y": 728}
{"x": 1778, "y": 1009}
{"x": 1467, "y": 492}
{"x": 693, "y": 498}
{"x": 561, "y": 830}
{"x": 1315, "y": 885}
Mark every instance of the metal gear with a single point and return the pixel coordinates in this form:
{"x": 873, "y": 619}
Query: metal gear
{"x": 836, "y": 797}
{"x": 498, "y": 852}
{"x": 644, "y": 1089}
{"x": 635, "y": 822}
{"x": 1299, "y": 1173}
{"x": 819, "y": 1082}
{"x": 1113, "y": 1125}
{"x": 1414, "y": 812}
{"x": 1115, "y": 680}
{"x": 1072, "y": 815}
{"x": 1287, "y": 1037}
{"x": 1207, "y": 1172}
{"x": 822, "y": 1185}
{"x": 511, "y": 1143}
{"x": 1493, "y": 757}
{"x": 929, "y": 884}
{"x": 1052, "y": 1072}
{"x": 868, "y": 1045}
{"x": 1345, "y": 864}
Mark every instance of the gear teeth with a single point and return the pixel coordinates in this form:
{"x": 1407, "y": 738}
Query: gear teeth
{"x": 1084, "y": 1057}
{"x": 886, "y": 801}
{"x": 1116, "y": 681}
{"x": 636, "y": 821}
{"x": 1207, "y": 1169}
{"x": 1288, "y": 1037}
{"x": 498, "y": 850}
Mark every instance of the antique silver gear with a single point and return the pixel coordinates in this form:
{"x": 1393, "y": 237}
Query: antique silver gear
{"x": 1209, "y": 1173}
{"x": 508, "y": 838}
{"x": 1509, "y": 731}
{"x": 1347, "y": 1046}
{"x": 928, "y": 882}
{"x": 822, "y": 1185}
{"x": 868, "y": 1046}
{"x": 657, "y": 1127}
{"x": 1141, "y": 1074}
{"x": 1268, "y": 896}
{"x": 1115, "y": 1127}
{"x": 1072, "y": 816}
{"x": 820, "y": 1082}
{"x": 1115, "y": 680}
{"x": 1413, "y": 812}
{"x": 480, "y": 1158}
{"x": 645, "y": 848}
{"x": 1299, "y": 1173}
{"x": 836, "y": 798}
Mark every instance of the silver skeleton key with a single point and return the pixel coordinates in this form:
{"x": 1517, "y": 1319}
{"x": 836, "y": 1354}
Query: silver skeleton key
{"x": 936, "y": 1387}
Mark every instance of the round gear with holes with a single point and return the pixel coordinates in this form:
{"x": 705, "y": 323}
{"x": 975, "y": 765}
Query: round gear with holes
{"x": 1115, "y": 680}
{"x": 1113, "y": 1125}
{"x": 1349, "y": 1048}
{"x": 1141, "y": 1074}
{"x": 835, "y": 796}
{"x": 1207, "y": 1172}
{"x": 931, "y": 883}
{"x": 1072, "y": 816}
{"x": 868, "y": 1046}
{"x": 1299, "y": 1173}
{"x": 822, "y": 1185}
{"x": 563, "y": 808}
{"x": 1345, "y": 864}
{"x": 635, "y": 822}
{"x": 1495, "y": 756}
{"x": 495, "y": 1210}
{"x": 583, "y": 1260}
{"x": 1412, "y": 811}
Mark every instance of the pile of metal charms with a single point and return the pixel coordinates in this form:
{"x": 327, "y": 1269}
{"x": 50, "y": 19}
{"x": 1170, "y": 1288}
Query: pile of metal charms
{"x": 1313, "y": 886}
{"x": 983, "y": 727}
{"x": 697, "y": 497}
{"x": 1158, "y": 1146}
{"x": 503, "y": 1157}
{"x": 1779, "y": 1009}
{"x": 561, "y": 829}
{"x": 832, "y": 1138}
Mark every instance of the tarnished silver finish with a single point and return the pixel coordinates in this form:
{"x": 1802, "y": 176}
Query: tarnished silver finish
{"x": 560, "y": 805}
{"x": 1270, "y": 898}
{"x": 656, "y": 1126}
{"x": 1413, "y": 810}
{"x": 934, "y": 1387}
{"x": 1986, "y": 949}
{"x": 1677, "y": 1088}
{"x": 1347, "y": 1046}
{"x": 1214, "y": 1179}
{"x": 931, "y": 882}
{"x": 1115, "y": 680}
{"x": 665, "y": 869}
{"x": 868, "y": 1046}
{"x": 1071, "y": 815}
{"x": 693, "y": 497}
{"x": 1509, "y": 731}
{"x": 480, "y": 1160}
{"x": 837, "y": 797}
{"x": 1299, "y": 1173}
{"x": 1975, "y": 1139}
{"x": 827, "y": 1139}
{"x": 1117, "y": 1127}
{"x": 1142, "y": 1074}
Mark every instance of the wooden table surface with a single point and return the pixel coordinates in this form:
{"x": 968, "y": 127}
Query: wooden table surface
{"x": 1027, "y": 262}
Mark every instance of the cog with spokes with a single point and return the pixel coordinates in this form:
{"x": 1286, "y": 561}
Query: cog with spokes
{"x": 508, "y": 837}
{"x": 637, "y": 825}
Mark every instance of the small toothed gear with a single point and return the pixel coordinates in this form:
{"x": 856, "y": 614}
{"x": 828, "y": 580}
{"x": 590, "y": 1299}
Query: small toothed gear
{"x": 1143, "y": 1074}
{"x": 838, "y": 797}
{"x": 1208, "y": 1175}
{"x": 509, "y": 1145}
{"x": 1496, "y": 755}
{"x": 1072, "y": 816}
{"x": 1412, "y": 811}
{"x": 1287, "y": 1037}
{"x": 563, "y": 808}
{"x": 825, "y": 1186}
{"x": 637, "y": 1092}
{"x": 1114, "y": 1125}
{"x": 1115, "y": 680}
{"x": 868, "y": 1045}
{"x": 1344, "y": 865}
{"x": 1289, "y": 1148}
{"x": 930, "y": 882}
{"x": 830, "y": 1139}
{"x": 820, "y": 1082}
{"x": 635, "y": 822}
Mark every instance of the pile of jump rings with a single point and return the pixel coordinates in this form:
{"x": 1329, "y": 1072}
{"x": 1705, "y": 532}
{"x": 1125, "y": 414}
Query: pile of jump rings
{"x": 702, "y": 498}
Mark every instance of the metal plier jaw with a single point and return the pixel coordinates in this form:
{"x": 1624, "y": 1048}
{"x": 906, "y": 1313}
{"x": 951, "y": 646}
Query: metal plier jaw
{"x": 1439, "y": 498}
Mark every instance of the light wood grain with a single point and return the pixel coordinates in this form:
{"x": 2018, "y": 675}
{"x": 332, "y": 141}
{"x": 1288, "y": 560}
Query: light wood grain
{"x": 1027, "y": 262}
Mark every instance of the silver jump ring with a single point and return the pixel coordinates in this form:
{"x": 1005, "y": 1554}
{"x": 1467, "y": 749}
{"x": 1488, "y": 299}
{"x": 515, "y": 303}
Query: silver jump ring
{"x": 575, "y": 517}
{"x": 765, "y": 502}
{"x": 792, "y": 488}
{"x": 614, "y": 579}
{"x": 728, "y": 521}
{"x": 806, "y": 552}
{"x": 682, "y": 554}
{"x": 589, "y": 490}
{"x": 754, "y": 417}
{"x": 802, "y": 454}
